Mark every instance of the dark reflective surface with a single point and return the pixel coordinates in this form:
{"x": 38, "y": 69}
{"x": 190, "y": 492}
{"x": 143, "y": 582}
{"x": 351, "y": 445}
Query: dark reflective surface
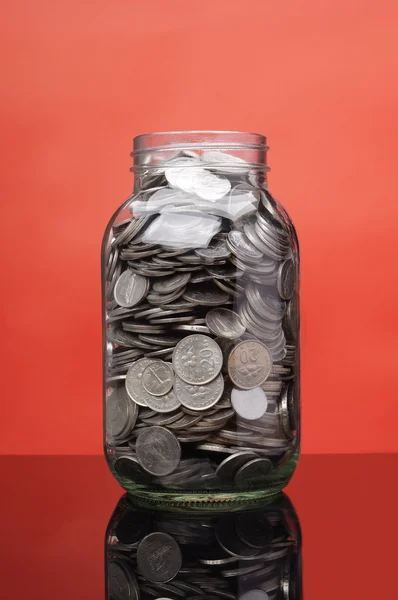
{"x": 55, "y": 511}
{"x": 245, "y": 555}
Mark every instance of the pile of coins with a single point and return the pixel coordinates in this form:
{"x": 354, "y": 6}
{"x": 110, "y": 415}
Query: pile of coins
{"x": 244, "y": 556}
{"x": 201, "y": 388}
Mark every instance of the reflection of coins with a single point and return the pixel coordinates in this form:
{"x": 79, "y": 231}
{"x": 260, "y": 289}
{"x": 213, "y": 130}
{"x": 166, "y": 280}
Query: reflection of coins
{"x": 158, "y": 378}
{"x": 159, "y": 557}
{"x": 249, "y": 364}
{"x": 158, "y": 450}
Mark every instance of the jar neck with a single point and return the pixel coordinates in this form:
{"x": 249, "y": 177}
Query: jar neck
{"x": 152, "y": 151}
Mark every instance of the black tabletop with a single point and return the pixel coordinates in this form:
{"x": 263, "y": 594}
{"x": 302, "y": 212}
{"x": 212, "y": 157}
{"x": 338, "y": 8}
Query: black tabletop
{"x": 56, "y": 509}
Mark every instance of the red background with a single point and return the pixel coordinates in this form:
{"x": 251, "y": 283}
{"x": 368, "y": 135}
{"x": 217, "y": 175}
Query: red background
{"x": 81, "y": 78}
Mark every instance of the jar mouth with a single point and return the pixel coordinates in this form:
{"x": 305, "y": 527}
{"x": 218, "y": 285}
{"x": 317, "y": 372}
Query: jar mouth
{"x": 252, "y": 147}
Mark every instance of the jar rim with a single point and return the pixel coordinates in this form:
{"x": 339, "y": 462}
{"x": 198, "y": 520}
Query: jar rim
{"x": 198, "y": 137}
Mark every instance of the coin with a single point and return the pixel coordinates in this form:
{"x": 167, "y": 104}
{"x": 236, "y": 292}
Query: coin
{"x": 242, "y": 248}
{"x": 230, "y": 541}
{"x": 171, "y": 284}
{"x": 217, "y": 249}
{"x": 158, "y": 450}
{"x": 228, "y": 468}
{"x": 130, "y": 289}
{"x": 253, "y": 472}
{"x": 121, "y": 413}
{"x": 159, "y": 557}
{"x": 224, "y": 323}
{"x": 197, "y": 359}
{"x": 286, "y": 279}
{"x": 254, "y": 595}
{"x": 249, "y": 364}
{"x": 128, "y": 466}
{"x": 205, "y": 295}
{"x": 249, "y": 404}
{"x": 162, "y": 404}
{"x": 199, "y": 397}
{"x": 158, "y": 378}
{"x": 134, "y": 380}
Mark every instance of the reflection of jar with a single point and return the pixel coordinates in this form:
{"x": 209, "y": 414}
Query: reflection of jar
{"x": 201, "y": 323}
{"x": 250, "y": 555}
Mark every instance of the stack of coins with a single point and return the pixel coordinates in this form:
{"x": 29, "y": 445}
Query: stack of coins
{"x": 200, "y": 362}
{"x": 244, "y": 556}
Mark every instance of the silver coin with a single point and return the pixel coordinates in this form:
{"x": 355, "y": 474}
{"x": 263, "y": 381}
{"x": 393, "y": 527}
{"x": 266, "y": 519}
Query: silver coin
{"x": 130, "y": 289}
{"x": 158, "y": 378}
{"x": 134, "y": 380}
{"x": 192, "y": 328}
{"x": 168, "y": 285}
{"x": 224, "y": 323}
{"x": 286, "y": 281}
{"x": 199, "y": 397}
{"x": 158, "y": 450}
{"x": 240, "y": 245}
{"x": 159, "y": 557}
{"x": 197, "y": 359}
{"x": 162, "y": 404}
{"x": 249, "y": 404}
{"x": 121, "y": 412}
{"x": 228, "y": 468}
{"x": 253, "y": 472}
{"x": 206, "y": 295}
{"x": 249, "y": 364}
{"x": 217, "y": 249}
{"x": 128, "y": 467}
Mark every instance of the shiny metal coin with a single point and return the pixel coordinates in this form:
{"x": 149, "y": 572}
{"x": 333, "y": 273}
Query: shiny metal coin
{"x": 121, "y": 413}
{"x": 158, "y": 450}
{"x": 217, "y": 249}
{"x": 253, "y": 472}
{"x": 249, "y": 364}
{"x": 197, "y": 359}
{"x": 199, "y": 397}
{"x": 224, "y": 323}
{"x": 171, "y": 284}
{"x": 242, "y": 248}
{"x": 158, "y": 378}
{"x": 134, "y": 380}
{"x": 159, "y": 557}
{"x": 206, "y": 295}
{"x": 228, "y": 468}
{"x": 162, "y": 404}
{"x": 286, "y": 281}
{"x": 130, "y": 289}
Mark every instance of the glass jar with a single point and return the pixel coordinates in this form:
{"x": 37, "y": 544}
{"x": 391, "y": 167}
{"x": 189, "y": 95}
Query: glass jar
{"x": 250, "y": 555}
{"x": 200, "y": 271}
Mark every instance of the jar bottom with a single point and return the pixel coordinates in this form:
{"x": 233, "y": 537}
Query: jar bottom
{"x": 230, "y": 499}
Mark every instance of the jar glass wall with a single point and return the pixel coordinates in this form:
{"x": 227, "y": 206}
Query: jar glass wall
{"x": 200, "y": 271}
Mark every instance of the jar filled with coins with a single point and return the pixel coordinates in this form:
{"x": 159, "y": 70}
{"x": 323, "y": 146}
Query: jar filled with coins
{"x": 243, "y": 555}
{"x": 200, "y": 271}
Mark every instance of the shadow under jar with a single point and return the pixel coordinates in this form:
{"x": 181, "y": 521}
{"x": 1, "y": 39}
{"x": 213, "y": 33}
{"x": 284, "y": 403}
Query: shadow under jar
{"x": 200, "y": 272}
